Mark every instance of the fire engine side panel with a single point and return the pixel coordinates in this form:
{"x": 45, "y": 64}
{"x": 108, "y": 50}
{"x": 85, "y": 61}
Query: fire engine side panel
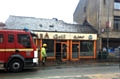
{"x": 10, "y": 45}
{"x": 2, "y": 47}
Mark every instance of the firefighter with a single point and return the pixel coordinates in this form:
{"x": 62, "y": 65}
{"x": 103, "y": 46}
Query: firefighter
{"x": 44, "y": 54}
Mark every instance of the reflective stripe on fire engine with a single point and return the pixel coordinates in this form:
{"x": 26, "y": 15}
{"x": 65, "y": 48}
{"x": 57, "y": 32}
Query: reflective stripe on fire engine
{"x": 16, "y": 49}
{"x": 2, "y": 49}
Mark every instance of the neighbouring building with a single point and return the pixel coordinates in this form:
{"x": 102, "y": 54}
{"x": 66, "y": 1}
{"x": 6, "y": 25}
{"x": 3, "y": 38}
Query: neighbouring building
{"x": 2, "y": 25}
{"x": 64, "y": 41}
{"x": 104, "y": 15}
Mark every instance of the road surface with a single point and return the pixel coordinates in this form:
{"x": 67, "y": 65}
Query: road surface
{"x": 65, "y": 72}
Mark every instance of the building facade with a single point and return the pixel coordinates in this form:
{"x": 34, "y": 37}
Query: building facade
{"x": 2, "y": 25}
{"x": 64, "y": 41}
{"x": 104, "y": 15}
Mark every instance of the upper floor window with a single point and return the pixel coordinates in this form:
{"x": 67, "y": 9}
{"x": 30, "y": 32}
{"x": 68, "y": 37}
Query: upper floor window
{"x": 117, "y": 4}
{"x": 116, "y": 22}
{"x": 85, "y": 9}
{"x": 104, "y": 1}
{"x": 1, "y": 38}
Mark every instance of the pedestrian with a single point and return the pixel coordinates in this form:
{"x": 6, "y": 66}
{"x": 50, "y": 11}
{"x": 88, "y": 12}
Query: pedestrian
{"x": 44, "y": 54}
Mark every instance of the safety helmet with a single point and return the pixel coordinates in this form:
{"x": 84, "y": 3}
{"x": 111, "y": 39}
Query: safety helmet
{"x": 44, "y": 45}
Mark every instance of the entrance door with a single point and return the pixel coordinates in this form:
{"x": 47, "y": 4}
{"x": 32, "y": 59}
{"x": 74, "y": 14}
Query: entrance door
{"x": 75, "y": 50}
{"x": 58, "y": 51}
{"x": 61, "y": 51}
{"x": 64, "y": 51}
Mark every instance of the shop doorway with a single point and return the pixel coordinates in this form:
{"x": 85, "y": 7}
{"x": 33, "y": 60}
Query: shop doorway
{"x": 75, "y": 50}
{"x": 61, "y": 51}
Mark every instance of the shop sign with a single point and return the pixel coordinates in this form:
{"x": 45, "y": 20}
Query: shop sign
{"x": 75, "y": 37}
{"x": 56, "y": 36}
{"x": 42, "y": 36}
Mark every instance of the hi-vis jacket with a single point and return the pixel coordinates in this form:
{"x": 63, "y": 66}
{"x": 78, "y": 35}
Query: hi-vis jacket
{"x": 43, "y": 52}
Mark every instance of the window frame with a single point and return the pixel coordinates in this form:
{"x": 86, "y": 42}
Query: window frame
{"x": 116, "y": 23}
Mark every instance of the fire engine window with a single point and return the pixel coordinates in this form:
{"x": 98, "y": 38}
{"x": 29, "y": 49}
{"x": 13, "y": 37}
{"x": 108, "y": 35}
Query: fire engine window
{"x": 10, "y": 38}
{"x": 1, "y": 38}
{"x": 24, "y": 39}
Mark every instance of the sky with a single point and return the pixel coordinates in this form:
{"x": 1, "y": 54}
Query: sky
{"x": 48, "y": 9}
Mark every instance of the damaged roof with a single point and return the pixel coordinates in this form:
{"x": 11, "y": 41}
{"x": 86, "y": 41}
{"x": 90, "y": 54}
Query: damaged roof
{"x": 40, "y": 24}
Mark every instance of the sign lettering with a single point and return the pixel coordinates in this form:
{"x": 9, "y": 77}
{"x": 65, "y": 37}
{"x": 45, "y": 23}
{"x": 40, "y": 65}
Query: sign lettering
{"x": 41, "y": 36}
{"x": 78, "y": 37}
{"x": 56, "y": 36}
{"x": 46, "y": 36}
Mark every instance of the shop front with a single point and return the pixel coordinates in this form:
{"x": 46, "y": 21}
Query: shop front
{"x": 67, "y": 46}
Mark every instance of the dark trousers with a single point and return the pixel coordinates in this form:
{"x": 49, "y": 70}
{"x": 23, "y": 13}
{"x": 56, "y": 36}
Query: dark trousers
{"x": 44, "y": 60}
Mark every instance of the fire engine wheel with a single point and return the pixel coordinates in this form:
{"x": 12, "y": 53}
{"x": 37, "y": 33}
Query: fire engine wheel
{"x": 16, "y": 65}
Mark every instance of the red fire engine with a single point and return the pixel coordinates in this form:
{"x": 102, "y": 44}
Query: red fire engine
{"x": 17, "y": 49}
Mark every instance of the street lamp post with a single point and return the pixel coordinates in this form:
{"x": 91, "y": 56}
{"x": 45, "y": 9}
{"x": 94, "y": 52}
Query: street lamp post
{"x": 107, "y": 26}
{"x": 98, "y": 24}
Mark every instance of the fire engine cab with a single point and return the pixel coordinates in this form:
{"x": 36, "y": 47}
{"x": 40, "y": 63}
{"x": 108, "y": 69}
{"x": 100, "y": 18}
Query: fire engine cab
{"x": 17, "y": 50}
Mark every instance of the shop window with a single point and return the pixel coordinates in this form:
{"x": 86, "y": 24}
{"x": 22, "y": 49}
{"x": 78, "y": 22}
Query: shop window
{"x": 86, "y": 48}
{"x": 75, "y": 51}
{"x": 10, "y": 38}
{"x": 1, "y": 38}
{"x": 50, "y": 47}
{"x": 24, "y": 39}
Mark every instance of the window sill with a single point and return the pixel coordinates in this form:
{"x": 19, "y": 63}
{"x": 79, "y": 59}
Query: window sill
{"x": 116, "y": 30}
{"x": 117, "y": 9}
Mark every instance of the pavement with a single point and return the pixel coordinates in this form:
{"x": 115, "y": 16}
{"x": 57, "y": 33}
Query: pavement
{"x": 103, "y": 76}
{"x": 93, "y": 76}
{"x": 83, "y": 63}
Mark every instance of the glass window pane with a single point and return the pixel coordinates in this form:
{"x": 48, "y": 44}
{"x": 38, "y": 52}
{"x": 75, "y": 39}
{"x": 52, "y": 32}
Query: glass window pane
{"x": 116, "y": 22}
{"x": 1, "y": 38}
{"x": 64, "y": 51}
{"x": 50, "y": 47}
{"x": 116, "y": 5}
{"x": 75, "y": 51}
{"x": 24, "y": 39}
{"x": 10, "y": 38}
{"x": 86, "y": 48}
